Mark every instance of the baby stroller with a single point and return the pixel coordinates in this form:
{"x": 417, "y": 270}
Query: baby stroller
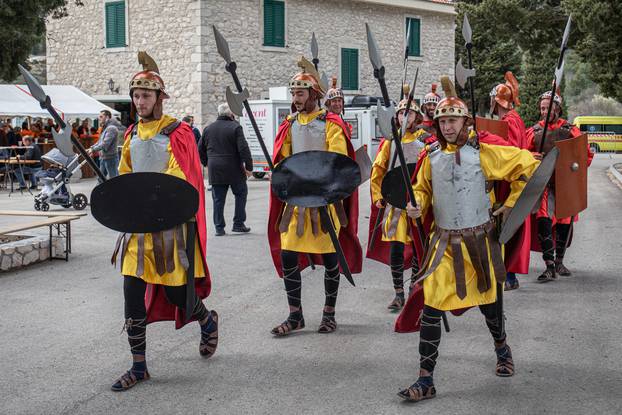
{"x": 55, "y": 180}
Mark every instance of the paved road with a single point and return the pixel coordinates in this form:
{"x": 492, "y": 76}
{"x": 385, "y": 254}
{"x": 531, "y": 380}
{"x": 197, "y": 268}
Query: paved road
{"x": 61, "y": 347}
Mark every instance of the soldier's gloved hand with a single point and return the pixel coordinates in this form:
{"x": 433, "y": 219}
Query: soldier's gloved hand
{"x": 503, "y": 212}
{"x": 413, "y": 211}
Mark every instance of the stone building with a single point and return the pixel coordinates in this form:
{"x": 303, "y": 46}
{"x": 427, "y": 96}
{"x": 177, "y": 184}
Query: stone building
{"x": 95, "y": 47}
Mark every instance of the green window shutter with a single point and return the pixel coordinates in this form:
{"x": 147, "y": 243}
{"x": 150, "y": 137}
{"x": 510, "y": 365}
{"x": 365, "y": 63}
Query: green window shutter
{"x": 350, "y": 69}
{"x": 414, "y": 42}
{"x": 274, "y": 23}
{"x": 115, "y": 24}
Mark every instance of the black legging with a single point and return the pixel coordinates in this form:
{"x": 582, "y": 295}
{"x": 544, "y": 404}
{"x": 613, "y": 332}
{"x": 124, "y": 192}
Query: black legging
{"x": 136, "y": 313}
{"x": 430, "y": 335}
{"x": 293, "y": 283}
{"x": 397, "y": 264}
{"x": 551, "y": 249}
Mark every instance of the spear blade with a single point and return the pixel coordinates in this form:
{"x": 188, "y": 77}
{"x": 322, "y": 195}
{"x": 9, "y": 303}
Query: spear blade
{"x": 566, "y": 33}
{"x": 314, "y": 47}
{"x": 372, "y": 46}
{"x": 467, "y": 33}
{"x": 222, "y": 46}
{"x": 34, "y": 87}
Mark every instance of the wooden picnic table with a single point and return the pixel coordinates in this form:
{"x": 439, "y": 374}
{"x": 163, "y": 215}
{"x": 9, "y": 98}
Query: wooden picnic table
{"x": 53, "y": 220}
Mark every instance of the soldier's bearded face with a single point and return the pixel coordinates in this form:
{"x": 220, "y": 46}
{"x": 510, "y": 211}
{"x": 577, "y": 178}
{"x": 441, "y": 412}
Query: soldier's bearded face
{"x": 451, "y": 128}
{"x": 544, "y": 108}
{"x": 429, "y": 110}
{"x": 335, "y": 105}
{"x": 144, "y": 101}
{"x": 299, "y": 98}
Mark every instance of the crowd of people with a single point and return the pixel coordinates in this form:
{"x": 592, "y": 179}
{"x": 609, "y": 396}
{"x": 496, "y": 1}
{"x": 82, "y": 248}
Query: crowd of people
{"x": 465, "y": 181}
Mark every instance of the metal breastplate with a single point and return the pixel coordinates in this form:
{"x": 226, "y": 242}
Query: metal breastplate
{"x": 150, "y": 155}
{"x": 459, "y": 190}
{"x": 308, "y": 137}
{"x": 411, "y": 151}
{"x": 561, "y": 133}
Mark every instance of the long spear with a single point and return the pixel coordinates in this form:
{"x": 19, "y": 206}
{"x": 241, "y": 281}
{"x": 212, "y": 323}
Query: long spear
{"x": 239, "y": 100}
{"x": 387, "y": 114}
{"x": 46, "y": 103}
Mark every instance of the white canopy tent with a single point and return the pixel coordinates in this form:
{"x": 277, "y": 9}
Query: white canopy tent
{"x": 69, "y": 101}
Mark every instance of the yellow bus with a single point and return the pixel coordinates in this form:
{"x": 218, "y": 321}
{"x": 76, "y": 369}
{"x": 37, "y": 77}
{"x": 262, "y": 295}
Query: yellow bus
{"x": 604, "y": 133}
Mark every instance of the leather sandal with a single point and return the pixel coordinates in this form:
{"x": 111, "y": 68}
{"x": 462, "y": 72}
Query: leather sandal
{"x": 128, "y": 380}
{"x": 505, "y": 364}
{"x": 418, "y": 391}
{"x": 209, "y": 336}
{"x": 288, "y": 326}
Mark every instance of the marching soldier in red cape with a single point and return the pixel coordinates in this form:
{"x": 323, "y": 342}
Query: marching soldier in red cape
{"x": 504, "y": 99}
{"x": 428, "y": 106}
{"x": 553, "y": 232}
{"x": 395, "y": 246}
{"x": 154, "y": 265}
{"x": 295, "y": 233}
{"x": 464, "y": 265}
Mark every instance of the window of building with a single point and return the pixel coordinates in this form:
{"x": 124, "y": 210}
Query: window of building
{"x": 115, "y": 24}
{"x": 349, "y": 69}
{"x": 274, "y": 23}
{"x": 414, "y": 40}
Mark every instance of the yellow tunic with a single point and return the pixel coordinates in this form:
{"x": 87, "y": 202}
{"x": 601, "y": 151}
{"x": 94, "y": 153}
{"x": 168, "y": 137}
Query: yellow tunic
{"x": 147, "y": 131}
{"x": 498, "y": 163}
{"x": 379, "y": 170}
{"x": 308, "y": 242}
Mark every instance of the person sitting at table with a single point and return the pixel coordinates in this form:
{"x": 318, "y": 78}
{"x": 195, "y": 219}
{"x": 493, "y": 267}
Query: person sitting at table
{"x": 26, "y": 130}
{"x": 33, "y": 153}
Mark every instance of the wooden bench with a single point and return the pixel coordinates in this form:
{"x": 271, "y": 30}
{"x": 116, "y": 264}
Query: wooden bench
{"x": 60, "y": 221}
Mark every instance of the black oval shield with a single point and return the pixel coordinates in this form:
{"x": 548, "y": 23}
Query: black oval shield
{"x": 144, "y": 202}
{"x": 315, "y": 178}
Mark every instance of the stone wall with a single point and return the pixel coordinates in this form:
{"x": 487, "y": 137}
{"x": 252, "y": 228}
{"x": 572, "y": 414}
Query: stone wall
{"x": 181, "y": 41}
{"x": 167, "y": 29}
{"x": 28, "y": 251}
{"x": 336, "y": 24}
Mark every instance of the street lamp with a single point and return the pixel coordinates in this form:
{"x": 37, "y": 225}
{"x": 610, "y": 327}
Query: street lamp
{"x": 111, "y": 86}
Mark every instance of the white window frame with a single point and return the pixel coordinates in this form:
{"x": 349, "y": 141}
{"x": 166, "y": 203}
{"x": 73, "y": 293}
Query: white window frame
{"x": 414, "y": 16}
{"x": 127, "y": 28}
{"x": 263, "y": 47}
{"x": 349, "y": 46}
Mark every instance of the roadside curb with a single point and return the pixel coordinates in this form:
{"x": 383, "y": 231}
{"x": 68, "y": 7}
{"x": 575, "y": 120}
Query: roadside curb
{"x": 615, "y": 172}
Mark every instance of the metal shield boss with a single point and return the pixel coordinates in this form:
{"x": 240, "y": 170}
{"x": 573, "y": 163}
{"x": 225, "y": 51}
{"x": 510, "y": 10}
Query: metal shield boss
{"x": 571, "y": 176}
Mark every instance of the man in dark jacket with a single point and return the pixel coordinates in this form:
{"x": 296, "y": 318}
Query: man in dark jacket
{"x": 224, "y": 150}
{"x": 107, "y": 145}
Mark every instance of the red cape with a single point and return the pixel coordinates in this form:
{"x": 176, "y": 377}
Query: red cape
{"x": 517, "y": 250}
{"x": 185, "y": 152}
{"x": 409, "y": 319}
{"x": 381, "y": 250}
{"x": 348, "y": 236}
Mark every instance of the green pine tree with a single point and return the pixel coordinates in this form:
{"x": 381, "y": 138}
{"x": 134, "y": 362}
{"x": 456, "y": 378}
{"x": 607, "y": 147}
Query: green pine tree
{"x": 23, "y": 25}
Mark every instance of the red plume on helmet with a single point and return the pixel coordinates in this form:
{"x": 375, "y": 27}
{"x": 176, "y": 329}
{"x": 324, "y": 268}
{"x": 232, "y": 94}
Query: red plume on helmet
{"x": 506, "y": 95}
